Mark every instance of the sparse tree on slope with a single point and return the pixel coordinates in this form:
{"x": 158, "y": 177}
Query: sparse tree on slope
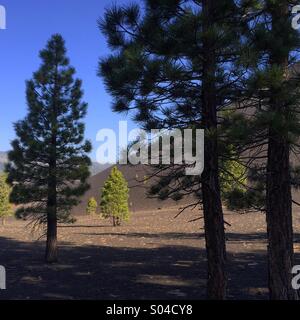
{"x": 92, "y": 206}
{"x": 5, "y": 205}
{"x": 49, "y": 165}
{"x": 114, "y": 198}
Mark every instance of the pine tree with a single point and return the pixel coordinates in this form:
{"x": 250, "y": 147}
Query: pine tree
{"x": 114, "y": 198}
{"x": 269, "y": 131}
{"x": 280, "y": 128}
{"x": 92, "y": 206}
{"x": 49, "y": 165}
{"x": 173, "y": 66}
{"x": 5, "y": 205}
{"x": 233, "y": 177}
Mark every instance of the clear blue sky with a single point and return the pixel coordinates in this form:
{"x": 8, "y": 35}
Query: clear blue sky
{"x": 30, "y": 23}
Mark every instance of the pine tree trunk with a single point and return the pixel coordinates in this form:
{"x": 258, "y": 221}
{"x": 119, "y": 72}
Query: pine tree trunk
{"x": 51, "y": 246}
{"x": 279, "y": 198}
{"x": 214, "y": 235}
{"x": 279, "y": 221}
{"x": 212, "y": 206}
{"x": 118, "y": 222}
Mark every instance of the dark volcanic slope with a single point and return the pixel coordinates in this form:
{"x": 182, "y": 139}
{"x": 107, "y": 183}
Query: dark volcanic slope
{"x": 138, "y": 198}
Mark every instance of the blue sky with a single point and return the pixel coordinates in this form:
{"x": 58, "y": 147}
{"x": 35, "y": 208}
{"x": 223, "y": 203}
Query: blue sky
{"x": 30, "y": 23}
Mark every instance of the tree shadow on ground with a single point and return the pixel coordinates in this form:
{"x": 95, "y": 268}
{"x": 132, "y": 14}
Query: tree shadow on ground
{"x": 230, "y": 236}
{"x": 109, "y": 273}
{"x": 149, "y": 235}
{"x": 255, "y": 236}
{"x": 83, "y": 226}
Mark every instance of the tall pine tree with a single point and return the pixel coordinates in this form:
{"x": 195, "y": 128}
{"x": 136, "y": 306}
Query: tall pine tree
{"x": 269, "y": 131}
{"x": 173, "y": 66}
{"x": 49, "y": 165}
{"x": 281, "y": 107}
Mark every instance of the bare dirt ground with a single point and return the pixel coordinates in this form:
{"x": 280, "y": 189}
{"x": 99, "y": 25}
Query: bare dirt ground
{"x": 152, "y": 257}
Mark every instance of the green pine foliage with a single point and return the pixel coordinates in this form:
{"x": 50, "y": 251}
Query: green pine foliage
{"x": 5, "y": 205}
{"x": 114, "y": 198}
{"x": 232, "y": 177}
{"x": 50, "y": 140}
{"x": 155, "y": 70}
{"x": 92, "y": 206}
{"x": 49, "y": 165}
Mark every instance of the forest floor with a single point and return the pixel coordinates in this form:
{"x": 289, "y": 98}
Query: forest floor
{"x": 153, "y": 257}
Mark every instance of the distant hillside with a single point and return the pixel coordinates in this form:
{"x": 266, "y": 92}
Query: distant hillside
{"x": 95, "y": 168}
{"x": 138, "y": 200}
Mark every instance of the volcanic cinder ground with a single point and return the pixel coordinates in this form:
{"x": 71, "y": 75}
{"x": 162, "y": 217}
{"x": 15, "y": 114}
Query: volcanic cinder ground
{"x": 154, "y": 256}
